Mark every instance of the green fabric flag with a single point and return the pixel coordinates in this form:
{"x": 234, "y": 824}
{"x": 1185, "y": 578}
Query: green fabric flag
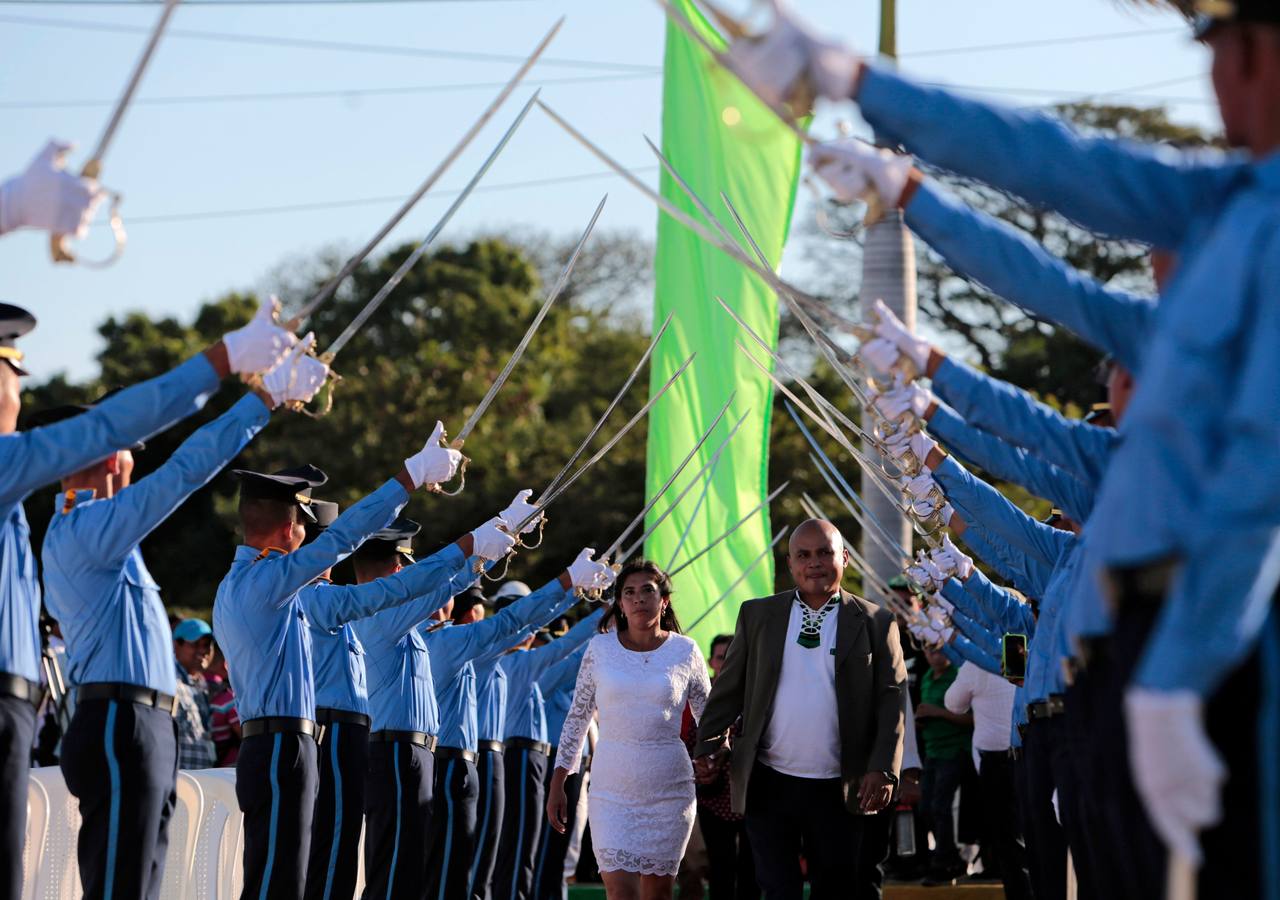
{"x": 720, "y": 138}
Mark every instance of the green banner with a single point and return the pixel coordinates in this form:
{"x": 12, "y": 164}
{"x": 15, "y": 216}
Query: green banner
{"x": 721, "y": 139}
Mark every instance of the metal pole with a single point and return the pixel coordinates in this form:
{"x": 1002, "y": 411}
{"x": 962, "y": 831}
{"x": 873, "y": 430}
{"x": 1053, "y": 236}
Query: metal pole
{"x": 888, "y": 274}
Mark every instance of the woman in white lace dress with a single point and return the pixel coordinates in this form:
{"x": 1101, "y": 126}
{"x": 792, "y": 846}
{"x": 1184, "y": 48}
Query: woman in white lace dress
{"x": 638, "y": 677}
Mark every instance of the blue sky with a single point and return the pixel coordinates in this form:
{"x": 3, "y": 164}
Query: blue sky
{"x": 374, "y": 123}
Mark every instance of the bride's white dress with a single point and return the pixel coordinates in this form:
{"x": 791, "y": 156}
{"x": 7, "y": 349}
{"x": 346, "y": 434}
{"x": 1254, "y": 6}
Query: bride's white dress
{"x": 641, "y": 802}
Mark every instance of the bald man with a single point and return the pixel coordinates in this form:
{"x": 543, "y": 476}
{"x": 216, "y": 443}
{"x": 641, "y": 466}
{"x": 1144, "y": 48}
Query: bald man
{"x": 816, "y": 675}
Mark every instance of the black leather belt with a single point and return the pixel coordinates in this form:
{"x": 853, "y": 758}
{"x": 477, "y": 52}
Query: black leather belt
{"x": 1141, "y": 588}
{"x": 128, "y": 693}
{"x": 326, "y": 715}
{"x": 277, "y": 725}
{"x": 522, "y": 743}
{"x": 419, "y": 738}
{"x": 455, "y": 753}
{"x": 17, "y": 686}
{"x": 491, "y": 746}
{"x": 994, "y": 754}
{"x": 1046, "y": 709}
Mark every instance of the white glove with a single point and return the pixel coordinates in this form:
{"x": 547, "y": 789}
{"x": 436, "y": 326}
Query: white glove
{"x": 587, "y": 574}
{"x": 1177, "y": 771}
{"x": 298, "y": 376}
{"x": 924, "y": 508}
{"x": 939, "y": 577}
{"x": 788, "y": 65}
{"x": 904, "y": 398}
{"x": 519, "y": 510}
{"x": 434, "y": 463}
{"x": 855, "y": 168}
{"x": 918, "y": 445}
{"x": 606, "y": 578}
{"x": 260, "y": 345}
{"x": 879, "y": 355}
{"x": 490, "y": 541}
{"x": 47, "y": 196}
{"x": 920, "y": 487}
{"x": 890, "y": 328}
{"x": 960, "y": 562}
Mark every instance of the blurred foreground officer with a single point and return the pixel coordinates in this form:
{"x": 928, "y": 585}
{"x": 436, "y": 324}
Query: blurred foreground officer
{"x": 40, "y": 456}
{"x": 120, "y": 754}
{"x": 261, "y": 622}
{"x": 406, "y": 719}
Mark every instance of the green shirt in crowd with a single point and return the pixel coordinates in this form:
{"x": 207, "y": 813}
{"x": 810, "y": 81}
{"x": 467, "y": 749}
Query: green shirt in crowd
{"x": 941, "y": 739}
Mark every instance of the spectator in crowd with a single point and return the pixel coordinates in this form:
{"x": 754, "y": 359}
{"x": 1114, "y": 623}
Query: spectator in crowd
{"x": 224, "y": 720}
{"x": 990, "y": 700}
{"x": 192, "y": 652}
{"x": 947, "y": 739}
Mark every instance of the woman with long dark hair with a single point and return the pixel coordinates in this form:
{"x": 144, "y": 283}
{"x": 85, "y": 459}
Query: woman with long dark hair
{"x": 638, "y": 674}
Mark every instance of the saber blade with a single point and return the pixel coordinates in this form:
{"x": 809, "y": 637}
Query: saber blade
{"x": 412, "y": 259}
{"x": 709, "y": 464}
{"x": 763, "y": 504}
{"x": 350, "y": 266}
{"x": 693, "y": 516}
{"x": 741, "y": 578}
{"x": 549, "y": 496}
{"x": 657, "y": 495}
{"x": 555, "y": 292}
{"x": 617, "y": 398}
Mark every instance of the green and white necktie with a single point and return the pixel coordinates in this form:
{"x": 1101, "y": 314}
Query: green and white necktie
{"x": 811, "y": 620}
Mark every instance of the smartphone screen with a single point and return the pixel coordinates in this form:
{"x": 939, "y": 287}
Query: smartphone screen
{"x": 1013, "y": 657}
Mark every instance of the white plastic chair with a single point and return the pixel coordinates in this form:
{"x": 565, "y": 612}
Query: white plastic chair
{"x": 37, "y": 833}
{"x": 216, "y": 872}
{"x": 184, "y": 826}
{"x": 58, "y": 877}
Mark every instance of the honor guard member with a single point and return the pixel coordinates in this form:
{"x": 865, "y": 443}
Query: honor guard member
{"x": 1185, "y": 482}
{"x": 120, "y": 753}
{"x": 40, "y": 456}
{"x": 491, "y": 708}
{"x": 405, "y": 718}
{"x": 453, "y": 651}
{"x": 262, "y": 627}
{"x": 557, "y": 685}
{"x": 526, "y": 749}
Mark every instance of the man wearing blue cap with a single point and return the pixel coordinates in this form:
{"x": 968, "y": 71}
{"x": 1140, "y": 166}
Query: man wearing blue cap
{"x": 120, "y": 753}
{"x": 192, "y": 652}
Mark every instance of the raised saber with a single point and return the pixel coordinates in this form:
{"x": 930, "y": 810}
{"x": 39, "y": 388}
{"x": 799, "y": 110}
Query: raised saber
{"x": 869, "y": 577}
{"x": 715, "y": 457}
{"x": 693, "y": 516}
{"x": 557, "y": 288}
{"x": 763, "y": 504}
{"x": 741, "y": 578}
{"x": 411, "y": 260}
{"x": 550, "y": 495}
{"x": 350, "y": 266}
{"x": 58, "y": 249}
{"x": 617, "y": 398}
{"x": 873, "y": 528}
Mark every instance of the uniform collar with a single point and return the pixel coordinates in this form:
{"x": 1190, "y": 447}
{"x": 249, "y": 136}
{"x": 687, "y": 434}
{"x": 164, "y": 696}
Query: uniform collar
{"x": 245, "y": 553}
{"x": 69, "y": 500}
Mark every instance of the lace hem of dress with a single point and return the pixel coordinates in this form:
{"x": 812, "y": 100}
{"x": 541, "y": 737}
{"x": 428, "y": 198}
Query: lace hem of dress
{"x": 623, "y": 861}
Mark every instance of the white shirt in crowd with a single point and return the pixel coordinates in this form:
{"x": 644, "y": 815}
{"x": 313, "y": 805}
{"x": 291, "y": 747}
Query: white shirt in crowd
{"x": 802, "y": 738}
{"x": 991, "y": 699}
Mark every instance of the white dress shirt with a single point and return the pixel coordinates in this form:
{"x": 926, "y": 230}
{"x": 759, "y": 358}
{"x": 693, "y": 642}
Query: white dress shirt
{"x": 991, "y": 699}
{"x": 803, "y": 735}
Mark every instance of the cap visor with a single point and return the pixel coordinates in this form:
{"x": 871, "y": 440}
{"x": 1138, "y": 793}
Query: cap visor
{"x": 306, "y": 511}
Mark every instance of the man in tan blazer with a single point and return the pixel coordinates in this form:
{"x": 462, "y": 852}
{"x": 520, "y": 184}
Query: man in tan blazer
{"x": 817, "y": 677}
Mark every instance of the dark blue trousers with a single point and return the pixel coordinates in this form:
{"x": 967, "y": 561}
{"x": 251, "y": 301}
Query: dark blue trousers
{"x": 548, "y": 872}
{"x": 397, "y": 820}
{"x": 120, "y": 760}
{"x": 490, "y": 772}
{"x": 454, "y": 845}
{"x": 339, "y": 813}
{"x": 521, "y": 823}
{"x": 276, "y": 785}
{"x": 17, "y": 732}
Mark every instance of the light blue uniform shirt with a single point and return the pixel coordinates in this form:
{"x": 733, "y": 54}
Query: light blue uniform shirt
{"x": 994, "y": 608}
{"x": 491, "y": 700}
{"x": 526, "y": 707}
{"x": 1190, "y": 478}
{"x": 1017, "y": 268}
{"x": 961, "y": 649}
{"x": 401, "y": 690}
{"x": 557, "y": 685}
{"x": 1009, "y": 463}
{"x": 454, "y": 650}
{"x": 261, "y": 623}
{"x": 98, "y": 587}
{"x": 32, "y": 459}
{"x": 1026, "y": 574}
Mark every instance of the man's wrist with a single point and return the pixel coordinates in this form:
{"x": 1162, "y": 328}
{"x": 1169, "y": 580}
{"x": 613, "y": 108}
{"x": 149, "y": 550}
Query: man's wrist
{"x": 218, "y": 358}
